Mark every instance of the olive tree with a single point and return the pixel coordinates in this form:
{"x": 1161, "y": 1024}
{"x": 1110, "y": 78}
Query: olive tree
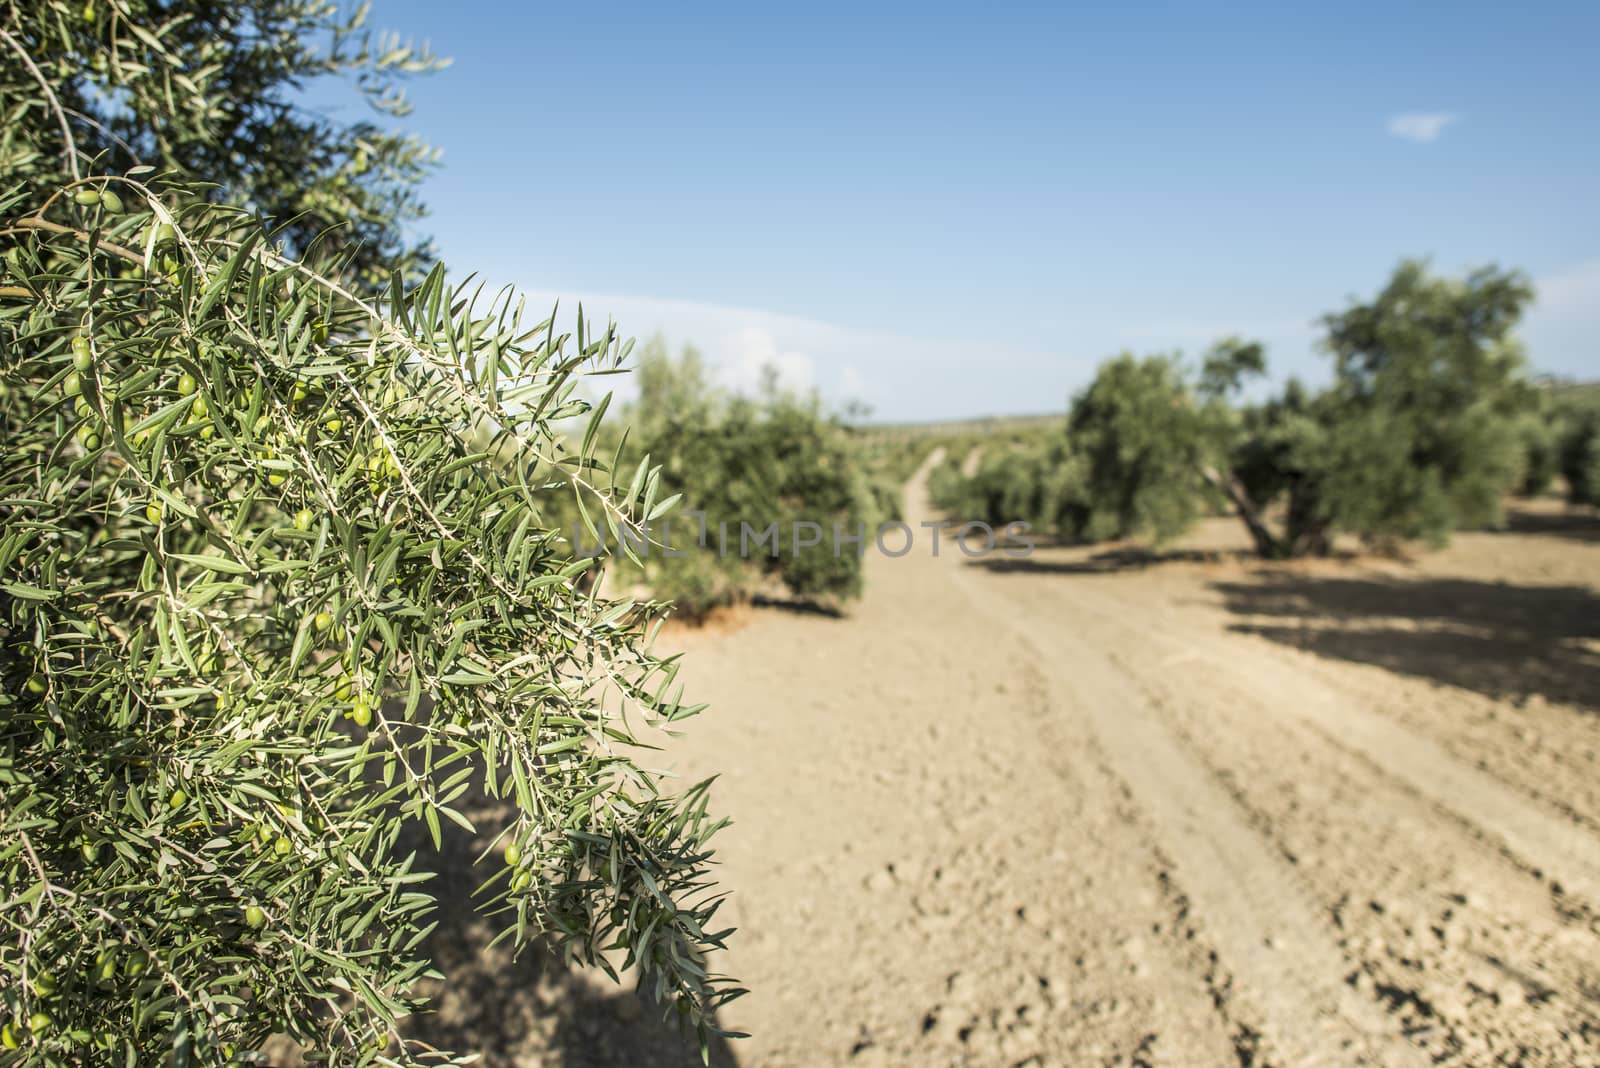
{"x": 279, "y": 581}
{"x": 754, "y": 471}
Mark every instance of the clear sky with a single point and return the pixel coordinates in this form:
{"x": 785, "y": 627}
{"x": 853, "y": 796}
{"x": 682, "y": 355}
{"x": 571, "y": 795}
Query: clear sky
{"x": 949, "y": 211}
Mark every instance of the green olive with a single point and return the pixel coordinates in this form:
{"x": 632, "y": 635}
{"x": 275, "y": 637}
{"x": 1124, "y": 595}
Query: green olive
{"x": 111, "y": 202}
{"x": 165, "y": 235}
{"x": 138, "y": 961}
{"x": 522, "y": 880}
{"x": 255, "y": 917}
{"x": 152, "y": 511}
{"x": 82, "y": 355}
{"x": 87, "y": 196}
{"x": 513, "y": 854}
{"x": 8, "y": 1038}
{"x": 37, "y": 685}
{"x": 39, "y": 1023}
{"x": 199, "y": 408}
{"x": 334, "y": 425}
{"x": 303, "y": 519}
{"x": 176, "y": 799}
{"x": 283, "y": 847}
{"x": 82, "y": 408}
{"x": 342, "y": 689}
{"x": 88, "y": 436}
{"x": 322, "y": 620}
{"x": 361, "y": 712}
{"x": 72, "y": 385}
{"x": 44, "y": 984}
{"x": 186, "y": 384}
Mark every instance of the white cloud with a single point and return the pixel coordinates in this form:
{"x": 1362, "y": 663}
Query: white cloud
{"x": 1421, "y": 127}
{"x": 754, "y": 350}
{"x": 1572, "y": 293}
{"x": 899, "y": 376}
{"x": 1562, "y": 330}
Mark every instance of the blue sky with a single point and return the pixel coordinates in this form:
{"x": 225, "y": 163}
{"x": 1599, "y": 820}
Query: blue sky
{"x": 950, "y": 211}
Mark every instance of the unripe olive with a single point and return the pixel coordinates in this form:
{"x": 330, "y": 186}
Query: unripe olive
{"x": 303, "y": 519}
{"x": 72, "y": 385}
{"x": 255, "y": 917}
{"x": 513, "y": 854}
{"x": 186, "y": 384}
{"x": 165, "y": 235}
{"x": 152, "y": 511}
{"x": 44, "y": 984}
{"x": 361, "y": 713}
{"x": 88, "y": 196}
{"x": 88, "y": 436}
{"x": 322, "y": 620}
{"x": 82, "y": 355}
{"x": 111, "y": 202}
{"x": 8, "y": 1038}
{"x": 40, "y": 1023}
{"x": 177, "y": 798}
{"x": 283, "y": 847}
{"x": 36, "y": 685}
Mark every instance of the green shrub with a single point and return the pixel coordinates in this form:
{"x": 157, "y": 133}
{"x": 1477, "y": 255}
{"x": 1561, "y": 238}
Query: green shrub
{"x": 1580, "y": 457}
{"x": 776, "y": 460}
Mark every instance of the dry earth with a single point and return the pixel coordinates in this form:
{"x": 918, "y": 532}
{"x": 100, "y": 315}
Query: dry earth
{"x": 1105, "y": 807}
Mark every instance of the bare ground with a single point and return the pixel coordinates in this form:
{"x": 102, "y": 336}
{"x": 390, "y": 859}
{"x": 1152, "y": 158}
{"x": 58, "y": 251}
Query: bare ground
{"x": 1114, "y": 807}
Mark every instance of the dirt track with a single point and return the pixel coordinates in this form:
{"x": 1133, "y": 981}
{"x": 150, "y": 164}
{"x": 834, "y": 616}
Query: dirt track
{"x": 1091, "y": 808}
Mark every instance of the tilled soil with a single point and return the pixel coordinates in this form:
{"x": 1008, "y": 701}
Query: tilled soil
{"x": 1114, "y": 807}
{"x": 1102, "y": 806}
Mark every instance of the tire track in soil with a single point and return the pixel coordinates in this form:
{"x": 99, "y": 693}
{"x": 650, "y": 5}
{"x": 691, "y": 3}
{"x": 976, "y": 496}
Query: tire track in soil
{"x": 1481, "y": 959}
{"x": 1557, "y": 848}
{"x": 1272, "y": 942}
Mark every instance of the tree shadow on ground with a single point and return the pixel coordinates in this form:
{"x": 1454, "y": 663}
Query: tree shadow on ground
{"x": 1109, "y": 561}
{"x": 799, "y": 606}
{"x": 1504, "y": 641}
{"x": 1577, "y": 525}
{"x": 534, "y": 1009}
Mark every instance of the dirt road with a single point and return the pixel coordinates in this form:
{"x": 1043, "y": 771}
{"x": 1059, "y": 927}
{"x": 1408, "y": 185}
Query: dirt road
{"x": 1095, "y": 808}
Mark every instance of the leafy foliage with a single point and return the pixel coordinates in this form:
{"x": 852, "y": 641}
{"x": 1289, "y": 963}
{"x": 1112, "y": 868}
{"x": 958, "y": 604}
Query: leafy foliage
{"x": 1417, "y": 436}
{"x": 1144, "y": 439}
{"x": 1421, "y": 427}
{"x": 1032, "y": 478}
{"x": 215, "y": 92}
{"x": 1580, "y": 457}
{"x": 265, "y": 601}
{"x": 776, "y": 460}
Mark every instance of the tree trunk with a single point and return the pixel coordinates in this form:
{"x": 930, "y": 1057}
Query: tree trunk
{"x": 1268, "y": 546}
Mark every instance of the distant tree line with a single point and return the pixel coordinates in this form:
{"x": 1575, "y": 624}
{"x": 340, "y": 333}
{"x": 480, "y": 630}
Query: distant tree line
{"x": 1429, "y": 422}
